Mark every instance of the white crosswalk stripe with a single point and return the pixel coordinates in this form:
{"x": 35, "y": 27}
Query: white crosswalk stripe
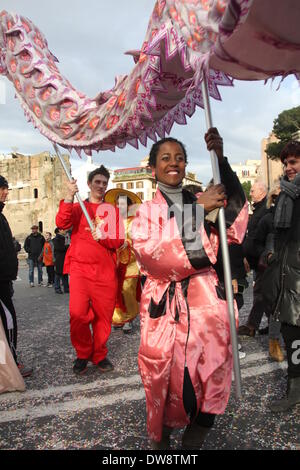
{"x": 72, "y": 406}
{"x": 264, "y": 369}
{"x": 22, "y": 410}
{"x": 72, "y": 388}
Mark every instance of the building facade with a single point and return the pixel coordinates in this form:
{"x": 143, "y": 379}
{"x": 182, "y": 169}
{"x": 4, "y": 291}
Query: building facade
{"x": 271, "y": 170}
{"x": 36, "y": 185}
{"x": 248, "y": 171}
{"x": 266, "y": 170}
{"x": 141, "y": 181}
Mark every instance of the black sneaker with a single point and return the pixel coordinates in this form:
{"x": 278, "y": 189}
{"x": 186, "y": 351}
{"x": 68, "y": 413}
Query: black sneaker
{"x": 246, "y": 330}
{"x": 264, "y": 331}
{"x": 127, "y": 328}
{"x": 25, "y": 371}
{"x": 105, "y": 365}
{"x": 80, "y": 366}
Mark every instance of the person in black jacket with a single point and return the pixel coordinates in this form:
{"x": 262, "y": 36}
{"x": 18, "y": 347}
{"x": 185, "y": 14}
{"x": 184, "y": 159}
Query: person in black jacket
{"x": 33, "y": 245}
{"x": 17, "y": 245}
{"x": 60, "y": 250}
{"x": 239, "y": 277}
{"x": 286, "y": 249}
{"x": 252, "y": 254}
{"x": 8, "y": 273}
{"x": 263, "y": 232}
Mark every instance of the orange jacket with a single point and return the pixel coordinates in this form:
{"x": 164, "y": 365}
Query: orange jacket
{"x": 48, "y": 254}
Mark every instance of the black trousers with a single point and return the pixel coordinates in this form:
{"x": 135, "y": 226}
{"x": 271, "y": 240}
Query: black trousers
{"x": 50, "y": 274}
{"x": 258, "y": 307}
{"x": 190, "y": 404}
{"x": 11, "y": 334}
{"x": 291, "y": 337}
{"x": 61, "y": 278}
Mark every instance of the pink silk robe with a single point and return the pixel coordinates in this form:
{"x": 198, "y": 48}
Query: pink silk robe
{"x": 203, "y": 342}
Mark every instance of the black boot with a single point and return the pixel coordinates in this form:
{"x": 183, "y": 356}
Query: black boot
{"x": 291, "y": 399}
{"x": 194, "y": 436}
{"x": 164, "y": 444}
{"x": 246, "y": 330}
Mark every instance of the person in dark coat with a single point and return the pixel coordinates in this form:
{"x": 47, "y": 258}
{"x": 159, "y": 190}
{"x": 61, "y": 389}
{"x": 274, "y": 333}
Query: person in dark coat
{"x": 264, "y": 230}
{"x": 60, "y": 250}
{"x": 286, "y": 248}
{"x": 17, "y": 245}
{"x": 33, "y": 245}
{"x": 8, "y": 273}
{"x": 239, "y": 277}
{"x": 252, "y": 254}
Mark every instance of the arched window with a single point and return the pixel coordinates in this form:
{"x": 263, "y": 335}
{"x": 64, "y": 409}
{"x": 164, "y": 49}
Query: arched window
{"x": 36, "y": 193}
{"x": 41, "y": 227}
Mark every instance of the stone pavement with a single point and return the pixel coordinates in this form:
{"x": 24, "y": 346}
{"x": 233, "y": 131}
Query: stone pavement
{"x": 107, "y": 411}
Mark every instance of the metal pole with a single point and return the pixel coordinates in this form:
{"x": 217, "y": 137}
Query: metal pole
{"x": 70, "y": 178}
{"x": 225, "y": 251}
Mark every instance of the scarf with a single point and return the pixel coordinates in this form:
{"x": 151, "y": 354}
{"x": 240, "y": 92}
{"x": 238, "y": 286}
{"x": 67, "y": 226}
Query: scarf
{"x": 290, "y": 191}
{"x": 173, "y": 192}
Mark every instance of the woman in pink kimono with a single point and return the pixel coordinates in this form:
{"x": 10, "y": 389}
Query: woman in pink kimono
{"x": 185, "y": 358}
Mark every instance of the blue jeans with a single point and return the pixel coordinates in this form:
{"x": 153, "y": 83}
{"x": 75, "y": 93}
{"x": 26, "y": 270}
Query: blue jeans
{"x": 39, "y": 265}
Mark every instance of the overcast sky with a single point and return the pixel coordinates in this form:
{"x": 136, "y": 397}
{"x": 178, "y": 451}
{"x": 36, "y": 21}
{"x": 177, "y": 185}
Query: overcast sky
{"x": 90, "y": 38}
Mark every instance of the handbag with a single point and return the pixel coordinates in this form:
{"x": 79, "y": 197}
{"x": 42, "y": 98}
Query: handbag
{"x": 10, "y": 377}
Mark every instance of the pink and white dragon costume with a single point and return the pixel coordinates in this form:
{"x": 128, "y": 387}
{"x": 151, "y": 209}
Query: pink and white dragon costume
{"x": 243, "y": 39}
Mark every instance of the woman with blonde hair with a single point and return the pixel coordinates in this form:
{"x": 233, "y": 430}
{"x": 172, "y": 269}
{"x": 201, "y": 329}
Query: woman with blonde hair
{"x": 272, "y": 194}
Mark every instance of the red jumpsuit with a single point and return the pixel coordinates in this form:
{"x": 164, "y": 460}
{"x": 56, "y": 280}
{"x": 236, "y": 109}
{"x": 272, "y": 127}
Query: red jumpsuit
{"x": 93, "y": 281}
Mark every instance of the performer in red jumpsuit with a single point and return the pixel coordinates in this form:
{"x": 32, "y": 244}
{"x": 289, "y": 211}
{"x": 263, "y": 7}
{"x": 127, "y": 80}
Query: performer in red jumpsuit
{"x": 91, "y": 263}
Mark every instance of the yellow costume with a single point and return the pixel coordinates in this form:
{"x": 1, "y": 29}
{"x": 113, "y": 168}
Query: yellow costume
{"x": 127, "y": 303}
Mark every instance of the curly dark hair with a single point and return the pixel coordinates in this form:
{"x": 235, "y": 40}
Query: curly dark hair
{"x": 3, "y": 182}
{"x": 155, "y": 148}
{"x": 98, "y": 171}
{"x": 291, "y": 149}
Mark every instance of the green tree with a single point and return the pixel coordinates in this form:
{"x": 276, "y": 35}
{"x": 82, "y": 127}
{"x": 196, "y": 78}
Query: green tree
{"x": 284, "y": 126}
{"x": 246, "y": 187}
